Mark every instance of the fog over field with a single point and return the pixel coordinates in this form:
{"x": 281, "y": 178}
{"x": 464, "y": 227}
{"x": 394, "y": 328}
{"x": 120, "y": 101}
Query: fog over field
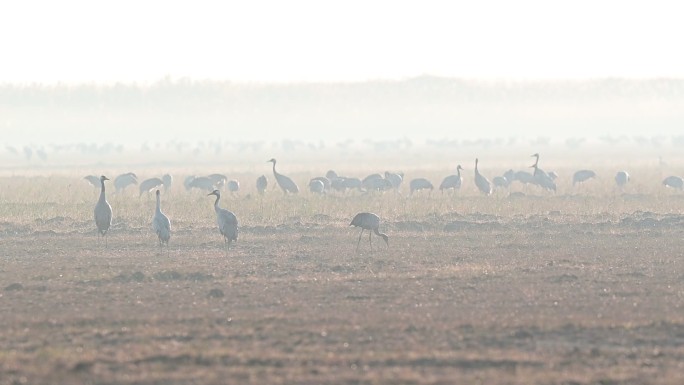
{"x": 186, "y": 123}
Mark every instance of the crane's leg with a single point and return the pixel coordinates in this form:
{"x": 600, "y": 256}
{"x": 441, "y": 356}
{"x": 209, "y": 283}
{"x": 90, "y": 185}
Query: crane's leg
{"x": 357, "y": 243}
{"x": 370, "y": 235}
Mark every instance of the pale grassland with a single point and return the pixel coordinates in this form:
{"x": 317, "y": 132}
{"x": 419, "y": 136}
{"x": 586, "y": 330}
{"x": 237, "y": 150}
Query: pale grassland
{"x": 35, "y": 200}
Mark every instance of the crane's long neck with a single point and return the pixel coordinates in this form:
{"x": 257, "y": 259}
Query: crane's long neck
{"x": 384, "y": 236}
{"x": 458, "y": 171}
{"x": 275, "y": 173}
{"x": 102, "y": 191}
{"x": 216, "y": 203}
{"x": 476, "y": 170}
{"x": 536, "y": 162}
{"x": 158, "y": 204}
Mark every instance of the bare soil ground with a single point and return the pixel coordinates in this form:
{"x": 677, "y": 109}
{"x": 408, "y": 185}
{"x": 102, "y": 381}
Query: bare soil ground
{"x": 459, "y": 298}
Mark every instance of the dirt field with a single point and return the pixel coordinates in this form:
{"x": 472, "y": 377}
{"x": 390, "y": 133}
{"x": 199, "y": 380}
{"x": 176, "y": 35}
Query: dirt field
{"x": 530, "y": 289}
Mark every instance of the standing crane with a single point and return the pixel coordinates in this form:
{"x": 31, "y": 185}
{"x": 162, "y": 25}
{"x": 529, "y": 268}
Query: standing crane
{"x": 621, "y": 178}
{"x": 285, "y": 183}
{"x": 167, "y": 179}
{"x": 419, "y": 184}
{"x": 124, "y": 180}
{"x": 370, "y": 222}
{"x": 227, "y": 221}
{"x": 261, "y": 184}
{"x": 481, "y": 182}
{"x": 103, "y": 212}
{"x": 452, "y": 181}
{"x": 161, "y": 224}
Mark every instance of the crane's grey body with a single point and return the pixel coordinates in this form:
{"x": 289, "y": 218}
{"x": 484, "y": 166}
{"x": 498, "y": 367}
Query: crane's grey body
{"x": 481, "y": 182}
{"x": 103, "y": 211}
{"x": 202, "y": 183}
{"x": 150, "y": 184}
{"x": 218, "y": 180}
{"x": 316, "y": 186}
{"x": 124, "y": 180}
{"x": 370, "y": 222}
{"x": 161, "y": 224}
{"x": 674, "y": 182}
{"x": 167, "y": 179}
{"x": 261, "y": 184}
{"x": 227, "y": 221}
{"x": 621, "y": 178}
{"x": 326, "y": 182}
{"x": 395, "y": 179}
{"x": 420, "y": 184}
{"x": 233, "y": 186}
{"x": 582, "y": 176}
{"x": 285, "y": 183}
{"x": 452, "y": 182}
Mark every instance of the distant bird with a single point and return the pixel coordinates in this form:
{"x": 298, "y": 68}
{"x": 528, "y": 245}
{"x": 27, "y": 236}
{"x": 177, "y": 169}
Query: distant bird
{"x": 420, "y": 184}
{"x": 161, "y": 224}
{"x": 524, "y": 177}
{"x": 124, "y": 180}
{"x": 149, "y": 184}
{"x": 218, "y": 180}
{"x": 500, "y": 182}
{"x": 536, "y": 165}
{"x": 582, "y": 176}
{"x": 316, "y": 186}
{"x": 202, "y": 183}
{"x": 233, "y": 186}
{"x": 285, "y": 183}
{"x": 261, "y": 184}
{"x": 331, "y": 174}
{"x": 453, "y": 182}
{"x": 370, "y": 222}
{"x": 674, "y": 182}
{"x": 394, "y": 179}
{"x": 373, "y": 182}
{"x": 543, "y": 179}
{"x": 227, "y": 222}
{"x": 351, "y": 183}
{"x": 481, "y": 182}
{"x": 167, "y": 179}
{"x": 326, "y": 182}
{"x": 621, "y": 178}
{"x": 93, "y": 180}
{"x": 103, "y": 211}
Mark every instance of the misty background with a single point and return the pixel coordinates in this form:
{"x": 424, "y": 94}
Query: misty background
{"x": 237, "y": 122}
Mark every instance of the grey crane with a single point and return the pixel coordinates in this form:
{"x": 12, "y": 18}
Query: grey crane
{"x": 331, "y": 174}
{"x": 582, "y": 176}
{"x": 285, "y": 183}
{"x": 420, "y": 184}
{"x": 674, "y": 182}
{"x": 481, "y": 182}
{"x": 92, "y": 180}
{"x": 261, "y": 184}
{"x": 218, "y": 180}
{"x": 124, "y": 180}
{"x": 370, "y": 222}
{"x": 227, "y": 221}
{"x": 452, "y": 182}
{"x": 103, "y": 212}
{"x": 326, "y": 182}
{"x": 149, "y": 184}
{"x": 395, "y": 179}
{"x": 202, "y": 183}
{"x": 536, "y": 165}
{"x": 161, "y": 224}
{"x": 233, "y": 186}
{"x": 316, "y": 186}
{"x": 167, "y": 179}
{"x": 621, "y": 178}
{"x": 543, "y": 179}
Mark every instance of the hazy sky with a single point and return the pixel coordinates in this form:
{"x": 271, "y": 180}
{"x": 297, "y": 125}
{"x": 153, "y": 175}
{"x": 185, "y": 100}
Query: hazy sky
{"x": 301, "y": 40}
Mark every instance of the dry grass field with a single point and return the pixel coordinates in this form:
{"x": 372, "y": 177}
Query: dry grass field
{"x": 582, "y": 287}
